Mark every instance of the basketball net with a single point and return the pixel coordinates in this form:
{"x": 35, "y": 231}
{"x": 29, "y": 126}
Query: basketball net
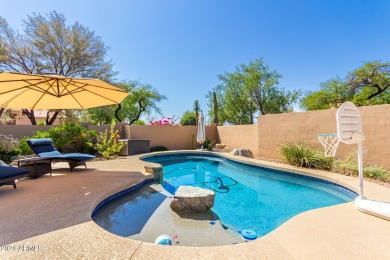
{"x": 330, "y": 143}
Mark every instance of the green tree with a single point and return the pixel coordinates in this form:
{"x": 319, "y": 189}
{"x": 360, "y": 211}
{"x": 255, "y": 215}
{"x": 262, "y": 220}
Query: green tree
{"x": 49, "y": 45}
{"x": 188, "y": 118}
{"x": 370, "y": 84}
{"x": 367, "y": 85}
{"x": 250, "y": 89}
{"x": 332, "y": 94}
{"x": 139, "y": 122}
{"x": 143, "y": 100}
{"x": 101, "y": 115}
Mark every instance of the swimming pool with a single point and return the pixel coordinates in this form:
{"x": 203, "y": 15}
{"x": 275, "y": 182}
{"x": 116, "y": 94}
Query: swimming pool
{"x": 246, "y": 196}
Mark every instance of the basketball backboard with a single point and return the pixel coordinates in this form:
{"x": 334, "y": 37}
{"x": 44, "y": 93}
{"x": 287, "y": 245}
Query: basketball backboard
{"x": 349, "y": 124}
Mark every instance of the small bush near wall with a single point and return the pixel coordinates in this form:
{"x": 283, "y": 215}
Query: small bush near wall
{"x": 376, "y": 172}
{"x": 24, "y": 148}
{"x": 8, "y": 147}
{"x": 71, "y": 137}
{"x": 209, "y": 144}
{"x": 350, "y": 167}
{"x": 304, "y": 155}
{"x": 108, "y": 145}
{"x": 158, "y": 149}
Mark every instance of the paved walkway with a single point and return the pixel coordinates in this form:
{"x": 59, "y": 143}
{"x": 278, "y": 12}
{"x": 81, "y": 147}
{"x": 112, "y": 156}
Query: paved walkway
{"x": 50, "y": 218}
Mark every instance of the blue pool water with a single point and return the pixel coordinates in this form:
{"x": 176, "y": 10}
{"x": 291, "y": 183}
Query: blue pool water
{"x": 246, "y": 196}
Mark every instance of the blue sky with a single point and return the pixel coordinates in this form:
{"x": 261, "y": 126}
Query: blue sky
{"x": 180, "y": 47}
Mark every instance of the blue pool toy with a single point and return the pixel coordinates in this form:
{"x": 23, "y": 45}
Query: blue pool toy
{"x": 163, "y": 240}
{"x": 248, "y": 234}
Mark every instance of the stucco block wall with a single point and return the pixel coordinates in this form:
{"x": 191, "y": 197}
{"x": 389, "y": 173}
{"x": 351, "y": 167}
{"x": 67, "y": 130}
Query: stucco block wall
{"x": 276, "y": 130}
{"x": 264, "y": 138}
{"x": 172, "y": 137}
{"x": 18, "y": 131}
{"x": 239, "y": 136}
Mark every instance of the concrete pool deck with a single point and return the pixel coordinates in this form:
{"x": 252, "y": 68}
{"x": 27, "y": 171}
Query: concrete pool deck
{"x": 51, "y": 218}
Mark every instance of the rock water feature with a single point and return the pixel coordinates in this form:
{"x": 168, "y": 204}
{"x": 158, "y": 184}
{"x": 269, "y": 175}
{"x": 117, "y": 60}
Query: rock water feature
{"x": 192, "y": 199}
{"x": 187, "y": 198}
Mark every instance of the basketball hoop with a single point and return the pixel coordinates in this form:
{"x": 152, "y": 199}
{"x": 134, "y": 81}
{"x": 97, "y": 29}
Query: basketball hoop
{"x": 350, "y": 131}
{"x": 330, "y": 143}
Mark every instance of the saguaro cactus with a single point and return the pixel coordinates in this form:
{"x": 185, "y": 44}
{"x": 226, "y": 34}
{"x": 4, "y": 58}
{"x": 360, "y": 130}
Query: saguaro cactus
{"x": 215, "y": 108}
{"x": 196, "y": 108}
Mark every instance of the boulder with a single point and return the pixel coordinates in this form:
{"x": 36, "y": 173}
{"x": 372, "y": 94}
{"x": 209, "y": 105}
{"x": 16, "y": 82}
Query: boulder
{"x": 156, "y": 170}
{"x": 235, "y": 152}
{"x": 220, "y": 145}
{"x": 192, "y": 199}
{"x": 246, "y": 153}
{"x": 242, "y": 152}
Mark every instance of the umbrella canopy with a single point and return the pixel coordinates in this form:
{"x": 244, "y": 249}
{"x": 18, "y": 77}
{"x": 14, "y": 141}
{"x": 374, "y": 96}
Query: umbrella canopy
{"x": 31, "y": 91}
{"x": 201, "y": 137}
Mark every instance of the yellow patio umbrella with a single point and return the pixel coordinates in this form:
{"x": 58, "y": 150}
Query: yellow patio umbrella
{"x": 30, "y": 91}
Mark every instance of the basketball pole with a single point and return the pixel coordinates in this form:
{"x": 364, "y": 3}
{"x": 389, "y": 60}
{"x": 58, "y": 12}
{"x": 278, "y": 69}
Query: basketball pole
{"x": 350, "y": 131}
{"x": 360, "y": 167}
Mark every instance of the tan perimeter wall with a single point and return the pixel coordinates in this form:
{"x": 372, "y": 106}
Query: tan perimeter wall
{"x": 265, "y": 138}
{"x": 278, "y": 129}
{"x": 18, "y": 131}
{"x": 172, "y": 137}
{"x": 239, "y": 136}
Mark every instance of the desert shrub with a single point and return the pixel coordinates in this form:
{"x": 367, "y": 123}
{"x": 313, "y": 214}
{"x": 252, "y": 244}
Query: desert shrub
{"x": 304, "y": 155}
{"x": 376, "y": 172}
{"x": 24, "y": 148}
{"x": 209, "y": 144}
{"x": 193, "y": 141}
{"x": 350, "y": 167}
{"x": 346, "y": 167}
{"x": 158, "y": 149}
{"x": 71, "y": 137}
{"x": 8, "y": 147}
{"x": 108, "y": 145}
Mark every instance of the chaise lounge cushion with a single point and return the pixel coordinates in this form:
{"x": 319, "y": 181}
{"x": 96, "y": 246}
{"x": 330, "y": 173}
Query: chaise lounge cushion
{"x": 7, "y": 172}
{"x": 3, "y": 163}
{"x": 78, "y": 157}
{"x": 44, "y": 148}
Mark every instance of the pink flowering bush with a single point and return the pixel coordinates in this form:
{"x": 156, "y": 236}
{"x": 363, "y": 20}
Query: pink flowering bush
{"x": 164, "y": 121}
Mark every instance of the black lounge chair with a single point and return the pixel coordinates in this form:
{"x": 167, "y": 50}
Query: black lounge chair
{"x": 44, "y": 148}
{"x": 9, "y": 174}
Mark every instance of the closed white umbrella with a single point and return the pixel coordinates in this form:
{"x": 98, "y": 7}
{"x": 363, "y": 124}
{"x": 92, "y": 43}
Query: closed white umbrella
{"x": 201, "y": 137}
